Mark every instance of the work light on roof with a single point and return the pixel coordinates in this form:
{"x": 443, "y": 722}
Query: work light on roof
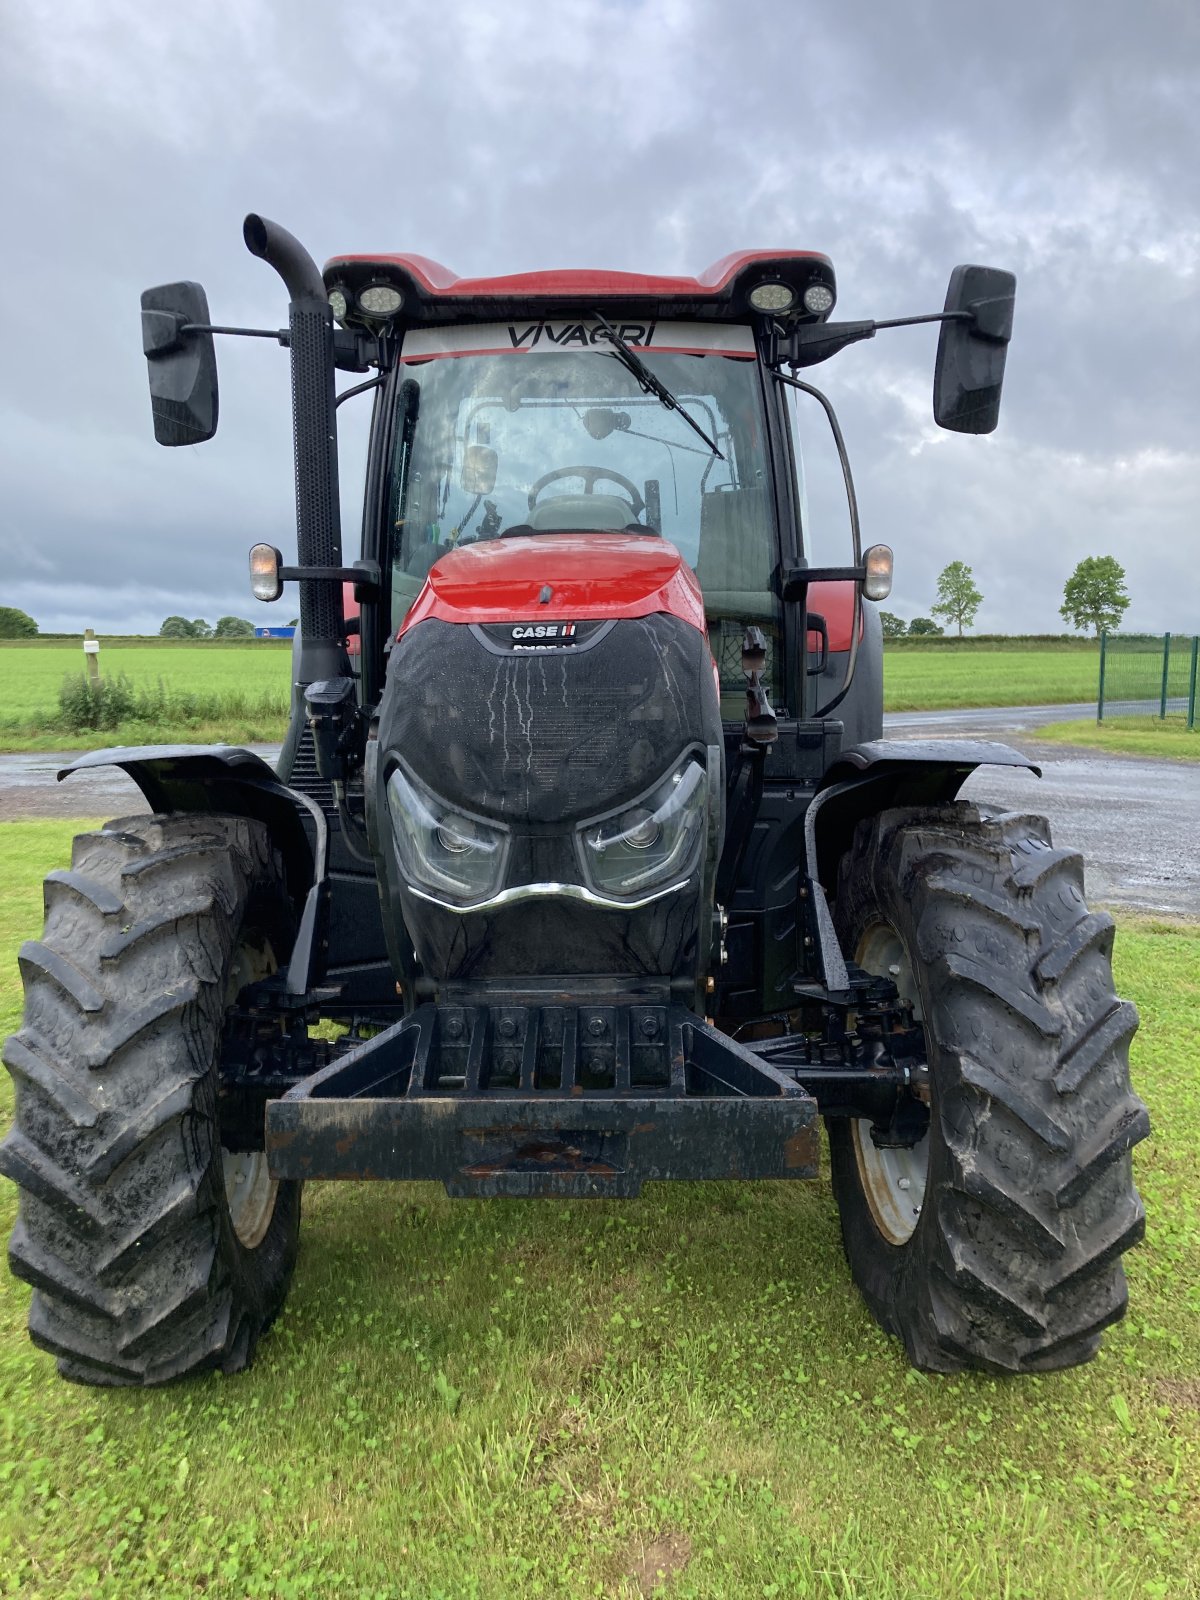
{"x": 772, "y": 297}
{"x": 380, "y": 300}
{"x": 818, "y": 298}
{"x": 339, "y": 304}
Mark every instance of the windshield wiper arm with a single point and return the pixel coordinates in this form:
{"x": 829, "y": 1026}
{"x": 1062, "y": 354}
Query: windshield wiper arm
{"x": 633, "y": 363}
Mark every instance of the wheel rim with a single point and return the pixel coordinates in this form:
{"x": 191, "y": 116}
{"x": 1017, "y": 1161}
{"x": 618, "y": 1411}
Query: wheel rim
{"x": 250, "y": 1190}
{"x": 250, "y": 1193}
{"x": 894, "y": 1181}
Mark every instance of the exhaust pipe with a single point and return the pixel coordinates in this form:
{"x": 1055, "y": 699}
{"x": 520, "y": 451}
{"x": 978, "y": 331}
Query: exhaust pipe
{"x": 314, "y": 420}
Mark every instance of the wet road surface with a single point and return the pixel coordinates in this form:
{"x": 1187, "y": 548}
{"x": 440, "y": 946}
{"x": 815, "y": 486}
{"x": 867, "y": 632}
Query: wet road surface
{"x": 1137, "y": 822}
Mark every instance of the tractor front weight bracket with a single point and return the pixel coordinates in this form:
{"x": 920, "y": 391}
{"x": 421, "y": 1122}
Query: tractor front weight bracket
{"x": 534, "y": 1099}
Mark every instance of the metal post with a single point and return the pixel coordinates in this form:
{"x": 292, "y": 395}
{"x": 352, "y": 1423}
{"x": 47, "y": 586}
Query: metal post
{"x": 91, "y": 654}
{"x": 1100, "y": 695}
{"x": 1162, "y": 700}
{"x": 1192, "y": 680}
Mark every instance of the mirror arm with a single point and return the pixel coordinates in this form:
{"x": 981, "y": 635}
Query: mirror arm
{"x": 278, "y": 334}
{"x": 352, "y": 352}
{"x": 808, "y": 343}
{"x": 932, "y": 316}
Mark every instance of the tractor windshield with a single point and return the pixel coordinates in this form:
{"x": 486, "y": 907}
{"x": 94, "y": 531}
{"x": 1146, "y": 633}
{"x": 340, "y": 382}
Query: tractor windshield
{"x": 553, "y": 435}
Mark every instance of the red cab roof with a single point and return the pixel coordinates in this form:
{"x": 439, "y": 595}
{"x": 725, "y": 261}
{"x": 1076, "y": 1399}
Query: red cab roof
{"x": 435, "y": 293}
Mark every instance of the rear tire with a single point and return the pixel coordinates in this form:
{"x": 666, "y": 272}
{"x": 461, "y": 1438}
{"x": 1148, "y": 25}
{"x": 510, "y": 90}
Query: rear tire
{"x": 152, "y": 1253}
{"x": 1011, "y": 1259}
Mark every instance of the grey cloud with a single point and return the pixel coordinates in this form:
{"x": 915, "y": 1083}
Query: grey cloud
{"x": 1059, "y": 141}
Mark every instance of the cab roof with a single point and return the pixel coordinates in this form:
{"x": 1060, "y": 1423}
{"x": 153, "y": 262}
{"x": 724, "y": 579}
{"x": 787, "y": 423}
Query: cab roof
{"x": 433, "y": 293}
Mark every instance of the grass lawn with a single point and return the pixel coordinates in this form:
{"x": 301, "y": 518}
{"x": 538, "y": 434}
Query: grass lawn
{"x": 246, "y": 685}
{"x": 32, "y": 676}
{"x": 945, "y": 676}
{"x": 1131, "y": 736}
{"x": 499, "y": 1399}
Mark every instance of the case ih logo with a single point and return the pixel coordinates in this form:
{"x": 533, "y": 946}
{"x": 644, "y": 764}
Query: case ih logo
{"x": 535, "y": 633}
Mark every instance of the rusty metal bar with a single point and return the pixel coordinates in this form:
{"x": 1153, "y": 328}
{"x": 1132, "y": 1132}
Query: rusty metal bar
{"x": 544, "y": 1146}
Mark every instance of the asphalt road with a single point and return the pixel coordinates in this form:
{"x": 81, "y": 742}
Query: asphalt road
{"x": 1137, "y": 822}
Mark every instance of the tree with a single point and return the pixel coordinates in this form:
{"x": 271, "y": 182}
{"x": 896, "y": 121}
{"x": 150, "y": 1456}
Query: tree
{"x": 921, "y": 626}
{"x": 1094, "y": 595}
{"x": 175, "y": 628}
{"x": 16, "y": 624}
{"x": 893, "y": 626}
{"x": 201, "y": 629}
{"x": 957, "y": 597}
{"x": 233, "y": 628}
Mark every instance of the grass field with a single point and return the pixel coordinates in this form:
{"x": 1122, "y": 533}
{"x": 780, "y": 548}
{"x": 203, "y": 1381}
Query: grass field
{"x": 31, "y": 676}
{"x": 946, "y": 676}
{"x": 242, "y": 692}
{"x": 501, "y": 1399}
{"x": 1131, "y": 736}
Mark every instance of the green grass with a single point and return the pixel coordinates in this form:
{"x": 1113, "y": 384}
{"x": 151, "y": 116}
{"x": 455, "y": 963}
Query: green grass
{"x": 33, "y": 676}
{"x": 946, "y": 676}
{"x": 240, "y": 692}
{"x": 502, "y": 1399}
{"x": 1132, "y": 736}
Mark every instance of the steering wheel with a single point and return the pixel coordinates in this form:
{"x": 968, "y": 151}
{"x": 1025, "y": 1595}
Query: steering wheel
{"x": 590, "y": 475}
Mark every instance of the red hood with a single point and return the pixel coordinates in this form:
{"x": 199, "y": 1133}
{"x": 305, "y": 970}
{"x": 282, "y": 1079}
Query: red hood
{"x": 587, "y": 575}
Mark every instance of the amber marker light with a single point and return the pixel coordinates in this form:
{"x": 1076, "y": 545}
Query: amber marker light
{"x": 878, "y": 564}
{"x": 265, "y": 582}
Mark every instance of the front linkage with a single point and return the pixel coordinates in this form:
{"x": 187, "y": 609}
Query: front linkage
{"x": 519, "y": 1095}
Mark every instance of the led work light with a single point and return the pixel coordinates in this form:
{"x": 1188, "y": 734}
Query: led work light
{"x": 772, "y": 297}
{"x": 380, "y": 300}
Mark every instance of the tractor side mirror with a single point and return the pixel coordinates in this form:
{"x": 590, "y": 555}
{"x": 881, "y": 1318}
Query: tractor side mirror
{"x": 479, "y": 469}
{"x": 971, "y": 351}
{"x": 182, "y": 363}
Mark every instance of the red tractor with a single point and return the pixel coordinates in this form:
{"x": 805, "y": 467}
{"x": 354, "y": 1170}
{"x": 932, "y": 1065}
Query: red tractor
{"x": 585, "y": 831}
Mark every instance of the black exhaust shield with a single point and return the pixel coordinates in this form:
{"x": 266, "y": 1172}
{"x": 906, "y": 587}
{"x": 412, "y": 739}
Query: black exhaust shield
{"x": 314, "y": 418}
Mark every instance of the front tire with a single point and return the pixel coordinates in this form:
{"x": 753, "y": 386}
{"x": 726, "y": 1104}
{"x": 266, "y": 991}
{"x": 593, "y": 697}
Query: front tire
{"x": 152, "y": 1251}
{"x": 996, "y": 1243}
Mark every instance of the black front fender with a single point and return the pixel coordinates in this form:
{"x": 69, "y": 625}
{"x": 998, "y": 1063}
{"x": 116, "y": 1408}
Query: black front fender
{"x": 228, "y": 780}
{"x": 863, "y": 781}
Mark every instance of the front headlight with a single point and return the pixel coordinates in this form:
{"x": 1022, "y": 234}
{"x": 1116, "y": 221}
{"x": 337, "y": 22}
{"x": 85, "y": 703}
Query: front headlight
{"x": 648, "y": 843}
{"x": 454, "y": 857}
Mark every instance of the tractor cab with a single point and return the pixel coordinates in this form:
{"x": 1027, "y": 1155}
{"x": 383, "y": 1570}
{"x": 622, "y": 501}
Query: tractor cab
{"x": 541, "y": 431}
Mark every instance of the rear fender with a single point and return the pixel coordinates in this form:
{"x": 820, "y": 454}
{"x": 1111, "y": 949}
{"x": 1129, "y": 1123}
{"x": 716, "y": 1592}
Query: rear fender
{"x": 230, "y": 781}
{"x": 865, "y": 780}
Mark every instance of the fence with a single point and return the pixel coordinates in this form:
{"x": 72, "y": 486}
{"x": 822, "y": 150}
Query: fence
{"x": 1148, "y": 674}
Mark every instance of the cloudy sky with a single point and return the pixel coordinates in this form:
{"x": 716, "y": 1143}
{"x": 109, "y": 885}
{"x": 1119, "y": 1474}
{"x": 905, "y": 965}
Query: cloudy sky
{"x": 1059, "y": 139}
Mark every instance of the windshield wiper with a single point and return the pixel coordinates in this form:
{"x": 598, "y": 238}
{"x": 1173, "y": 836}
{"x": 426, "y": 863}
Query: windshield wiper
{"x": 650, "y": 384}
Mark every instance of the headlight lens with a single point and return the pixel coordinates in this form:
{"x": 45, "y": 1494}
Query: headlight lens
{"x": 454, "y": 857}
{"x": 650, "y": 843}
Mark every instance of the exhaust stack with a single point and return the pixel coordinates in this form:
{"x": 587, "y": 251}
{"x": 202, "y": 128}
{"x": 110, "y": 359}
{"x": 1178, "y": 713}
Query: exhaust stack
{"x": 314, "y": 427}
